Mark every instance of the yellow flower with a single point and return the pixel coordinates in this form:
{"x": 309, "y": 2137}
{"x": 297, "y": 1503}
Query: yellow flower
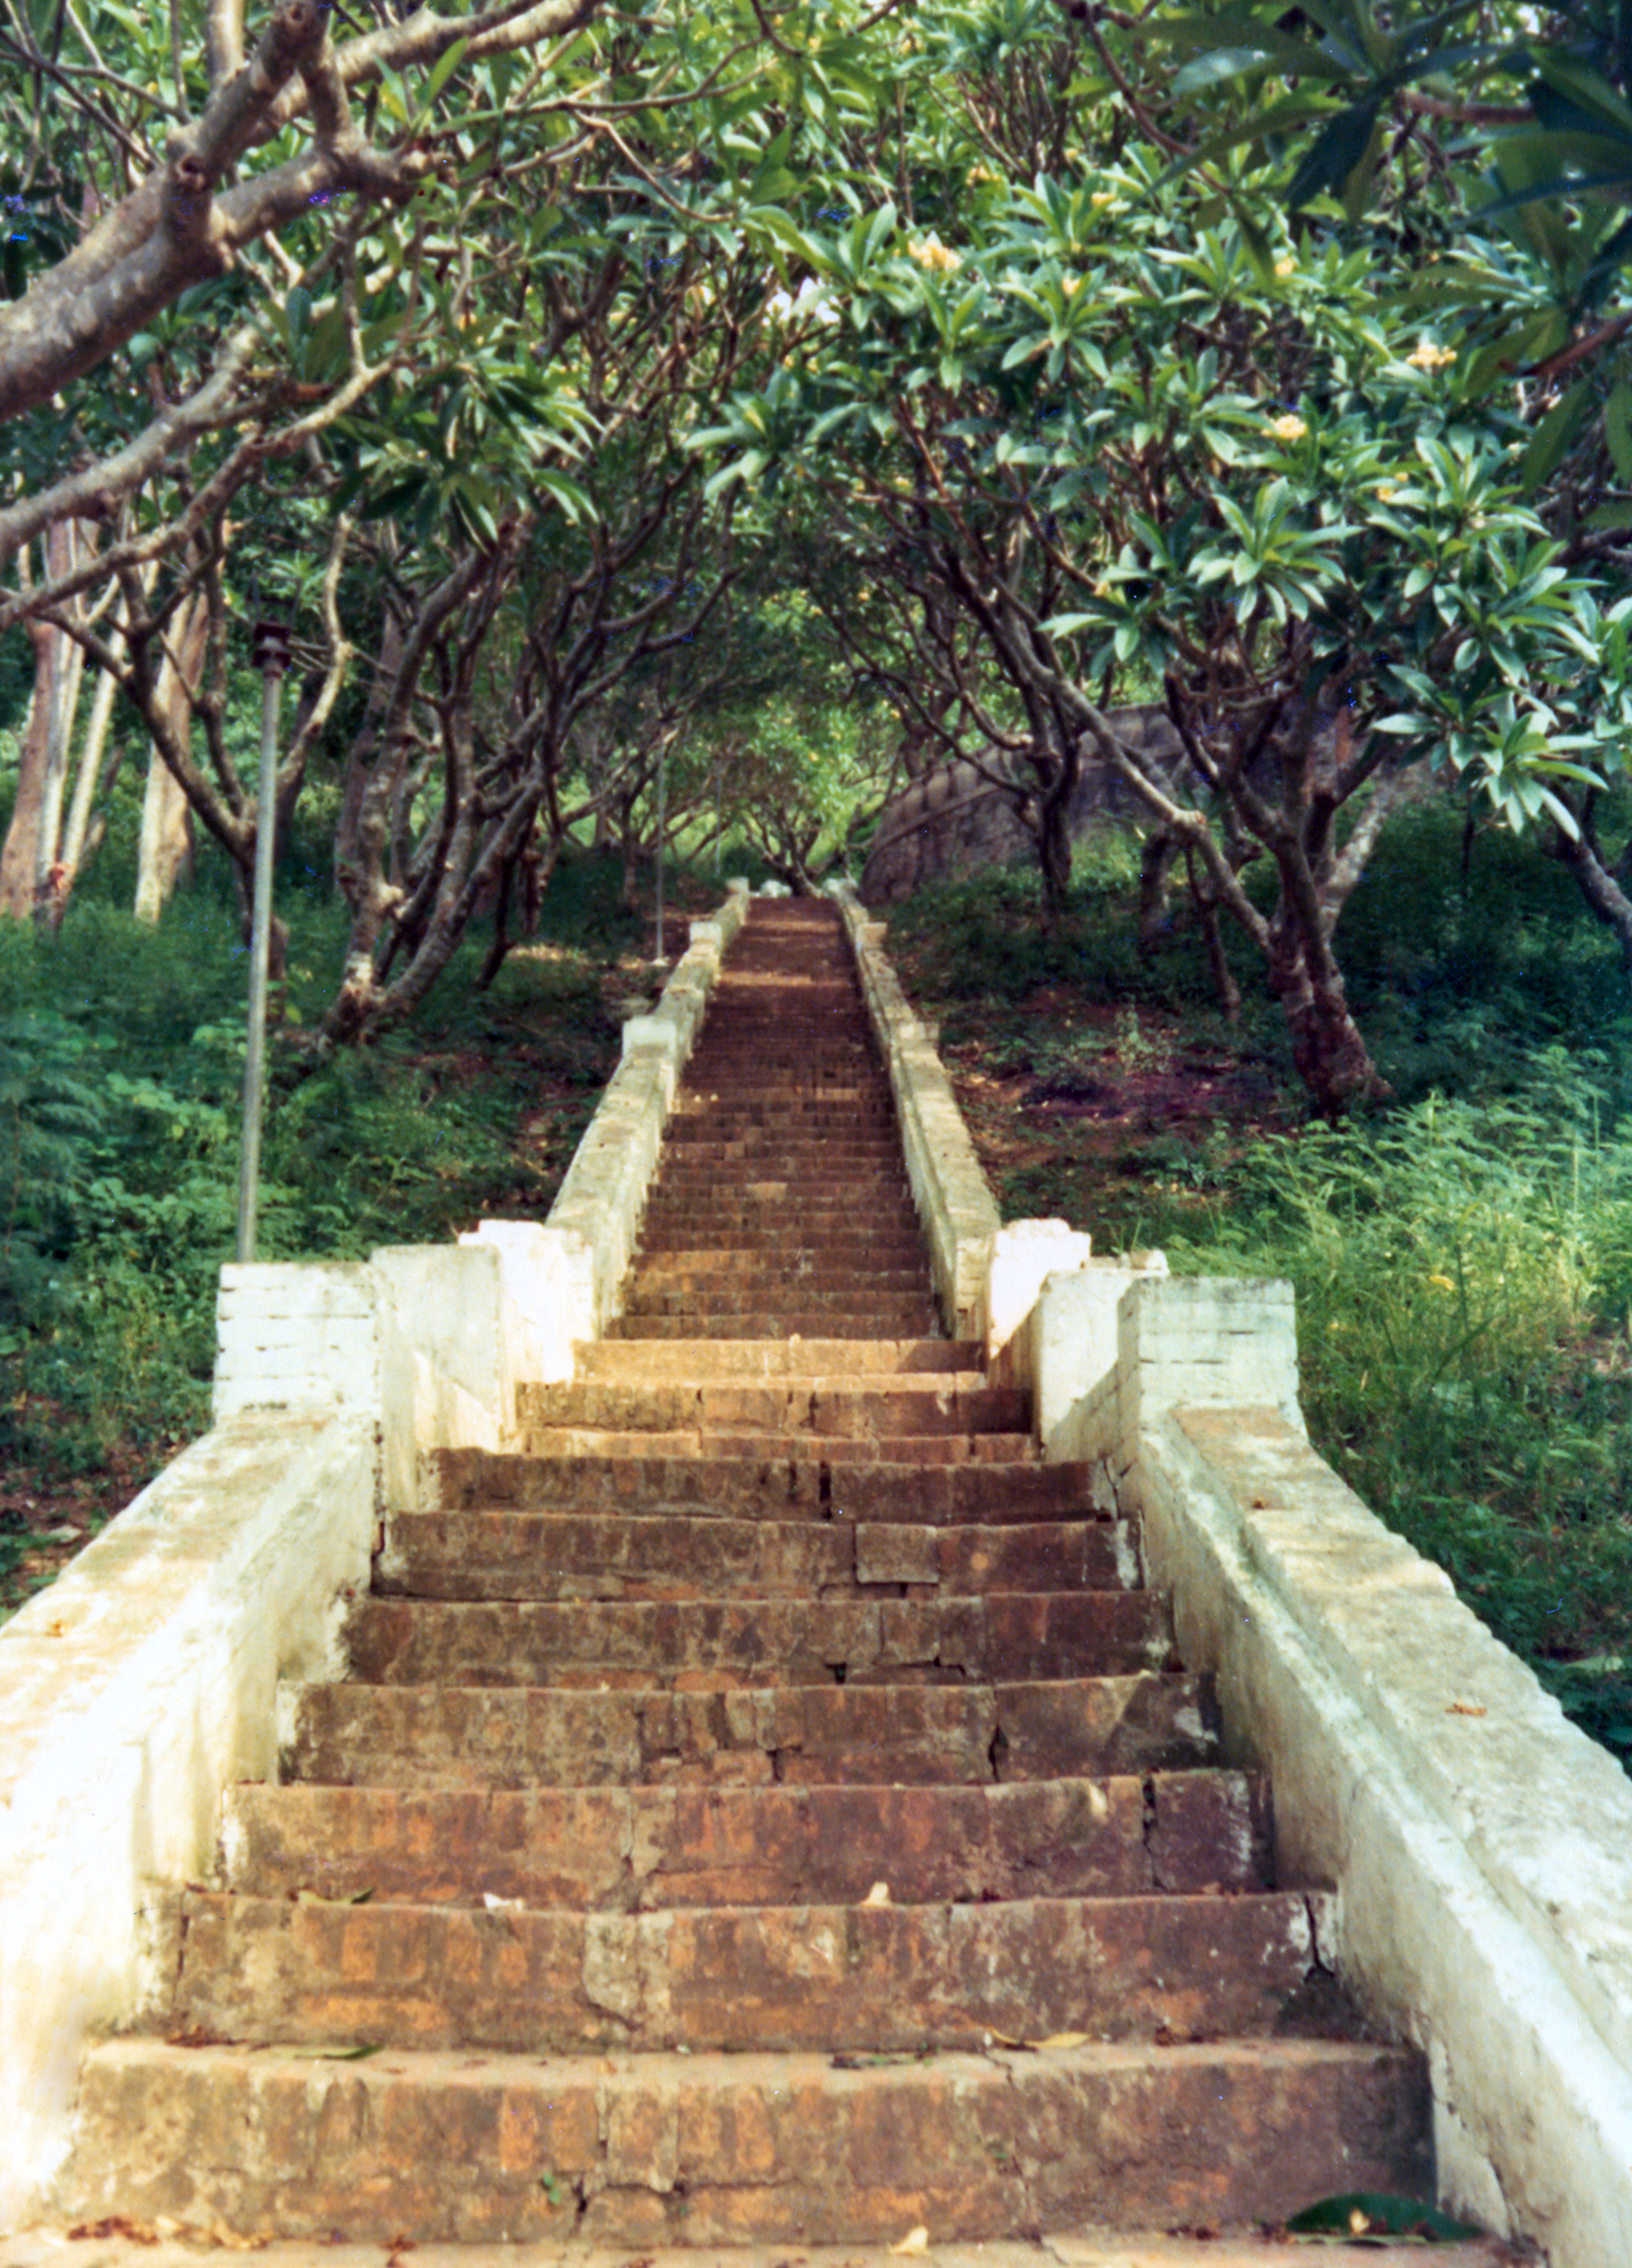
{"x": 1430, "y": 356}
{"x": 1071, "y": 283}
{"x": 1287, "y": 428}
{"x": 1103, "y": 200}
{"x": 1444, "y": 1282}
{"x": 1285, "y": 268}
{"x": 1385, "y": 494}
{"x": 980, "y": 174}
{"x": 933, "y": 254}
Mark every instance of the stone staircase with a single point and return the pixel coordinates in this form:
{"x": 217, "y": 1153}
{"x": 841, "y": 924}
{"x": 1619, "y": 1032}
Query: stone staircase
{"x": 766, "y": 1811}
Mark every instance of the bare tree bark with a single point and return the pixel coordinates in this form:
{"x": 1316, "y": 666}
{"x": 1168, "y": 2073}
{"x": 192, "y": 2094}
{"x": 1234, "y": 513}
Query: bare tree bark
{"x": 165, "y": 849}
{"x": 31, "y": 872}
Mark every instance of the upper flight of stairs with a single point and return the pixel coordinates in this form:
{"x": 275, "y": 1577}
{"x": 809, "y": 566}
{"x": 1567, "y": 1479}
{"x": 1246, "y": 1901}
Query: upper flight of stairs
{"x": 768, "y": 1809}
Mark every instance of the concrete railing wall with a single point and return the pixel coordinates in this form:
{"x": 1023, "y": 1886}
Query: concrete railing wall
{"x": 145, "y": 1679}
{"x": 955, "y": 1205}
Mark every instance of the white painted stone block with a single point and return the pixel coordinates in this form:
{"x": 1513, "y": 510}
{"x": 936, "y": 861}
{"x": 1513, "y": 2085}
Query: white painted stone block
{"x": 1203, "y": 1340}
{"x": 1023, "y": 1253}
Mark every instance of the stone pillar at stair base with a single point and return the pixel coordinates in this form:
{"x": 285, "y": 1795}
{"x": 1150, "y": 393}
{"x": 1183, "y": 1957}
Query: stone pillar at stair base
{"x": 548, "y": 1280}
{"x": 1067, "y": 1350}
{"x": 422, "y": 1340}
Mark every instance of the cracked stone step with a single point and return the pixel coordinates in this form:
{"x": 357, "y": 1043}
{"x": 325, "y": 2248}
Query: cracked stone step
{"x": 567, "y": 1443}
{"x": 701, "y": 2150}
{"x": 150, "y": 2245}
{"x": 868, "y": 1322}
{"x": 740, "y": 1361}
{"x": 815, "y": 1293}
{"x": 996, "y": 1638}
{"x": 714, "y": 1486}
{"x": 930, "y": 1404}
{"x": 820, "y": 1979}
{"x": 761, "y": 1323}
{"x": 797, "y": 1735}
{"x": 623, "y": 1849}
{"x": 556, "y": 1555}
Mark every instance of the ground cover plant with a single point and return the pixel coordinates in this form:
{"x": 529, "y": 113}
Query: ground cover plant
{"x": 120, "y": 1070}
{"x": 1462, "y": 1255}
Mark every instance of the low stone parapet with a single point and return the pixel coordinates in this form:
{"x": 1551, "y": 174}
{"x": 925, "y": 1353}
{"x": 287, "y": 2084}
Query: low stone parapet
{"x": 135, "y": 1688}
{"x": 955, "y": 1205}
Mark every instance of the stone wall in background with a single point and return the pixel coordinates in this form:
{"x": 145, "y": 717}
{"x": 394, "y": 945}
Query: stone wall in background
{"x": 953, "y": 821}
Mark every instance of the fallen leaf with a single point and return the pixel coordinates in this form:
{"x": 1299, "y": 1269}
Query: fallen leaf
{"x": 1062, "y": 2040}
{"x": 916, "y": 2240}
{"x": 1465, "y": 1709}
{"x": 878, "y": 1896}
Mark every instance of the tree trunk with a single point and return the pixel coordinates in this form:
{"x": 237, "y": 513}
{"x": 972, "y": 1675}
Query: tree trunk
{"x": 30, "y": 873}
{"x": 166, "y": 852}
{"x": 1328, "y": 1050}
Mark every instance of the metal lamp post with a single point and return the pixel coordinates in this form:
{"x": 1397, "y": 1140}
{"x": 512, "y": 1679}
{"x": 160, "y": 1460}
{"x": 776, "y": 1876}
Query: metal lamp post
{"x": 270, "y": 654}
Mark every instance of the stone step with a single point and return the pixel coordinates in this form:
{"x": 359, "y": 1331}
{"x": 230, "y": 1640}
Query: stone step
{"x": 585, "y": 1441}
{"x": 147, "y": 2245}
{"x": 815, "y": 1289}
{"x": 619, "y": 1850}
{"x": 798, "y": 1735}
{"x": 715, "y": 1486}
{"x": 560, "y": 1555}
{"x": 782, "y": 1244}
{"x": 819, "y": 1979}
{"x": 741, "y": 1359}
{"x": 870, "y": 1320}
{"x": 431, "y": 2147}
{"x": 929, "y": 1403}
{"x": 998, "y": 1637}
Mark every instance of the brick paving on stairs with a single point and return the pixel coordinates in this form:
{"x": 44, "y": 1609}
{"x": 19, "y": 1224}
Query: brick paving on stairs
{"x": 765, "y": 1812}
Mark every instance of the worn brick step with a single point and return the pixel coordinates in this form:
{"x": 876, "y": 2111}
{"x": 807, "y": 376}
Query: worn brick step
{"x": 737, "y": 1260}
{"x": 1081, "y": 2246}
{"x": 820, "y": 1979}
{"x": 800, "y": 1126}
{"x": 930, "y": 1404}
{"x": 715, "y": 1257}
{"x": 561, "y": 1555}
{"x": 820, "y": 1291}
{"x": 743, "y": 1359}
{"x": 525, "y": 1642}
{"x": 900, "y": 1319}
{"x": 986, "y": 1494}
{"x": 703, "y": 2150}
{"x": 621, "y": 1850}
{"x": 579, "y": 1441}
{"x": 674, "y": 1242}
{"x": 433, "y": 1736}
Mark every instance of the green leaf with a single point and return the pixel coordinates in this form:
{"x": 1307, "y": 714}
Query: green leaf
{"x": 1380, "y": 2216}
{"x": 1617, "y": 427}
{"x": 441, "y": 72}
{"x": 1553, "y": 436}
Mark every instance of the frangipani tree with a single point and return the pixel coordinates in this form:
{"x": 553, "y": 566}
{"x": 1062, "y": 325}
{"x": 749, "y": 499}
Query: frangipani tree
{"x": 1259, "y": 487}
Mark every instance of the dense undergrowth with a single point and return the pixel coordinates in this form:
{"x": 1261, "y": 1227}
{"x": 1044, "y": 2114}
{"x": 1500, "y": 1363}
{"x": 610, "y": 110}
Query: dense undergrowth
{"x": 121, "y": 1076}
{"x": 1462, "y": 1257}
